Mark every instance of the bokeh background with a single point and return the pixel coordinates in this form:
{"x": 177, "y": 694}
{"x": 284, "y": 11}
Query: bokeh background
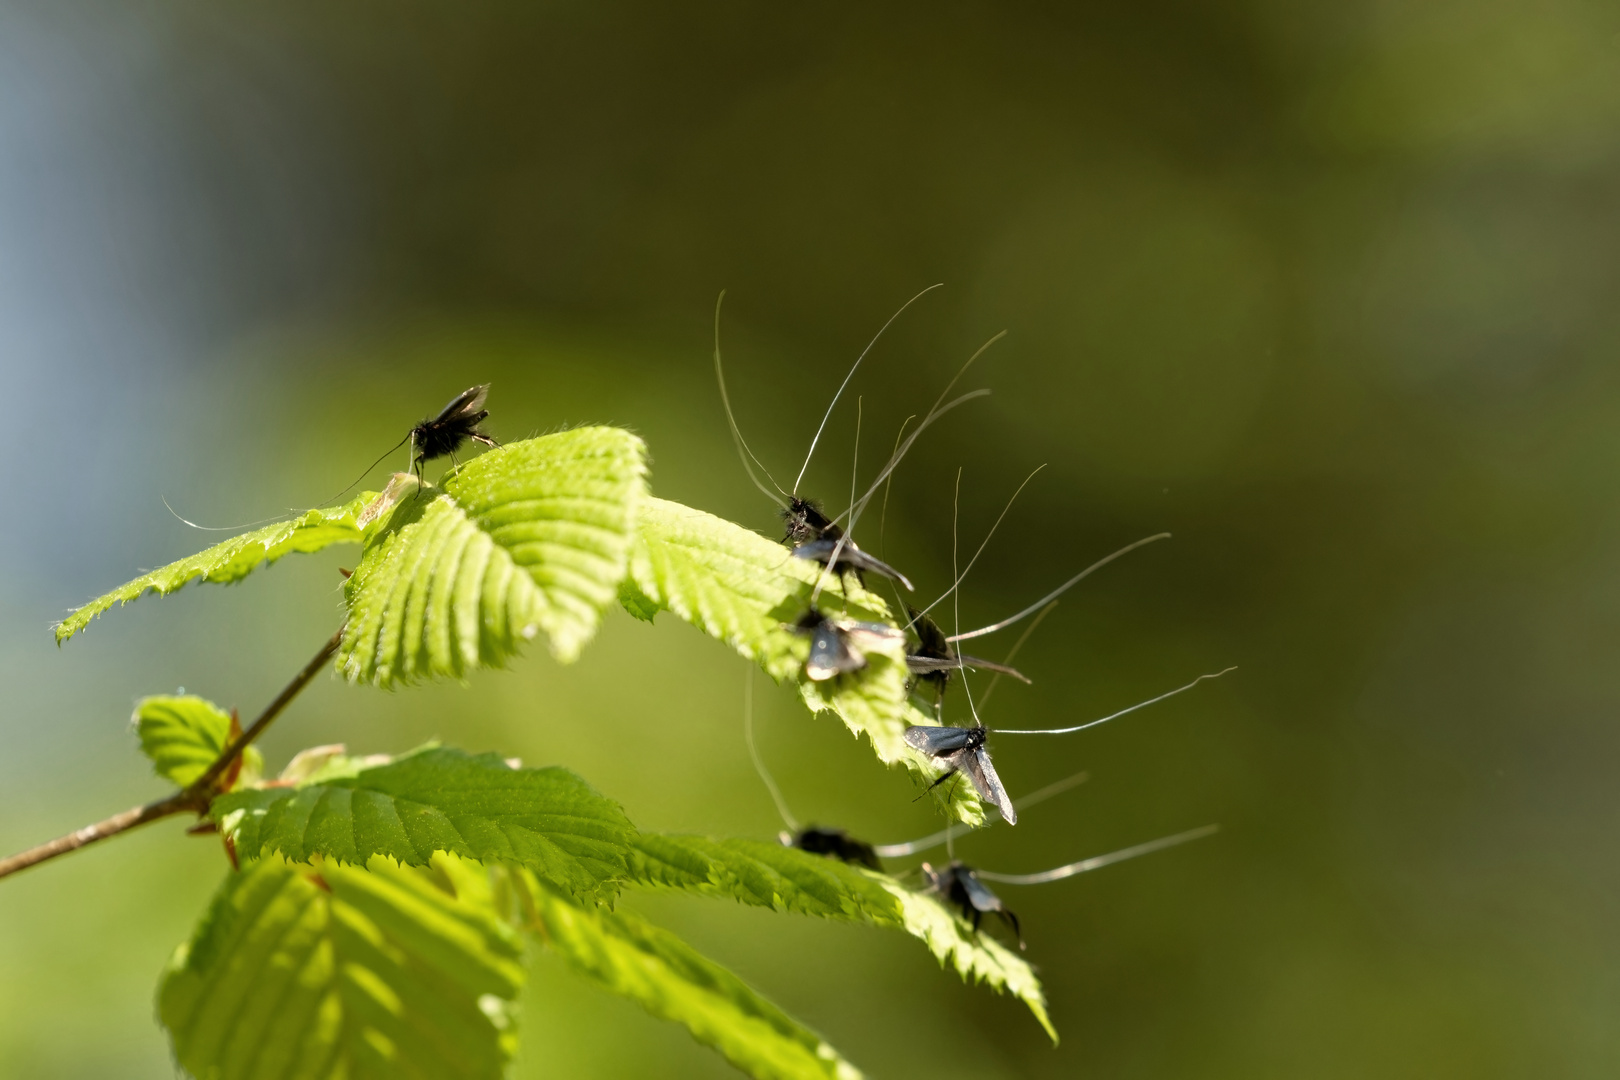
{"x": 1328, "y": 291}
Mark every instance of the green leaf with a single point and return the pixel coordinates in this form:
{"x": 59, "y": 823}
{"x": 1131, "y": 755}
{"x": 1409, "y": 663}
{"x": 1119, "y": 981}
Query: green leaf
{"x": 390, "y": 973}
{"x": 233, "y": 559}
{"x": 534, "y": 536}
{"x": 671, "y": 980}
{"x": 976, "y": 956}
{"x": 185, "y": 735}
{"x": 787, "y": 879}
{"x": 763, "y": 874}
{"x": 740, "y": 588}
{"x": 435, "y": 799}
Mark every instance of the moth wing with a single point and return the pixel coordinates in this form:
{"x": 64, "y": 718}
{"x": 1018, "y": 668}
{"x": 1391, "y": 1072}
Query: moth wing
{"x": 937, "y": 742}
{"x": 922, "y": 665}
{"x": 464, "y": 404}
{"x": 977, "y": 892}
{"x": 830, "y": 654}
{"x": 991, "y": 665}
{"x": 985, "y": 781}
{"x": 872, "y": 635}
{"x": 860, "y": 560}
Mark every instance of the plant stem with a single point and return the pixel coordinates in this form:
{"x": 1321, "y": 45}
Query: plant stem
{"x": 195, "y": 797}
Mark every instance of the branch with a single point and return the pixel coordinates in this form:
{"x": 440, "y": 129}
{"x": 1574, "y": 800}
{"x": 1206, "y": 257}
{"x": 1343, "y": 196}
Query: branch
{"x": 194, "y": 797}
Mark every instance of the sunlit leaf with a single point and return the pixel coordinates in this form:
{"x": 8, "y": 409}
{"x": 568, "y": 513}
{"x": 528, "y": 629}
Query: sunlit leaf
{"x": 233, "y": 559}
{"x": 435, "y": 799}
{"x": 671, "y": 980}
{"x": 787, "y": 879}
{"x": 742, "y": 589}
{"x": 533, "y": 537}
{"x": 301, "y": 973}
{"x": 976, "y": 956}
{"x": 184, "y": 735}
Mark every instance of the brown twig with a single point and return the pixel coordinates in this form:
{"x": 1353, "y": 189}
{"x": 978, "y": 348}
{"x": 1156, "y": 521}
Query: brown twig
{"x": 195, "y": 797}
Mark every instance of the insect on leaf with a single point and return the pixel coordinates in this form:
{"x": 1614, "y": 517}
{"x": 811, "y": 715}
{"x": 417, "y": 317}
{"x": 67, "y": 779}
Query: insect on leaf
{"x": 742, "y": 589}
{"x": 369, "y": 974}
{"x": 532, "y": 537}
{"x": 673, "y": 981}
{"x": 787, "y": 879}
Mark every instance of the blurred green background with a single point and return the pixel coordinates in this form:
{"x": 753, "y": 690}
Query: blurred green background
{"x": 1327, "y": 291}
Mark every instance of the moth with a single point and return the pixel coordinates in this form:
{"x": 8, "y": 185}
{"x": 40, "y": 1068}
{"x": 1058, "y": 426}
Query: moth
{"x": 963, "y": 887}
{"x": 838, "y": 645}
{"x": 457, "y": 422}
{"x": 811, "y": 534}
{"x": 934, "y": 658}
{"x": 836, "y": 843}
{"x": 959, "y": 886}
{"x": 962, "y": 750}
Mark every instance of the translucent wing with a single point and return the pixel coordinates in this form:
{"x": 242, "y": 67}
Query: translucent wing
{"x": 977, "y": 892}
{"x": 985, "y": 781}
{"x": 870, "y": 635}
{"x": 849, "y": 558}
{"x": 464, "y": 404}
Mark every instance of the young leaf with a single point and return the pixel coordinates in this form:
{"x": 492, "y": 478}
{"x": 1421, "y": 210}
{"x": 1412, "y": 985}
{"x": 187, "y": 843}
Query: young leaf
{"x": 533, "y": 536}
{"x": 233, "y": 559}
{"x": 976, "y": 956}
{"x": 435, "y": 799}
{"x": 763, "y": 875}
{"x": 302, "y": 973}
{"x": 671, "y": 980}
{"x": 741, "y": 588}
{"x": 185, "y": 735}
{"x": 787, "y": 879}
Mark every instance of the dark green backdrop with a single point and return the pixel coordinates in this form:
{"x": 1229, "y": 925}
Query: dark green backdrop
{"x": 1327, "y": 291}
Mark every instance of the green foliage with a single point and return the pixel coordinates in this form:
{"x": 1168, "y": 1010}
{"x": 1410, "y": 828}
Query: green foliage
{"x": 534, "y": 536}
{"x": 377, "y": 951}
{"x": 233, "y": 559}
{"x": 742, "y": 589}
{"x": 976, "y": 956}
{"x": 787, "y": 879}
{"x": 432, "y": 800}
{"x": 308, "y": 974}
{"x": 184, "y": 735}
{"x": 763, "y": 875}
{"x": 671, "y": 980}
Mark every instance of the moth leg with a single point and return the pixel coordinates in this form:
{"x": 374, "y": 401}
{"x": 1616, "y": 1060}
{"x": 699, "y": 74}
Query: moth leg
{"x": 487, "y": 440}
{"x": 936, "y": 783}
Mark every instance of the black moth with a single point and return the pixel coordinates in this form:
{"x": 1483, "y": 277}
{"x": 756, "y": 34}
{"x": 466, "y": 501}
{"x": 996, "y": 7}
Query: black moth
{"x": 457, "y": 422}
{"x": 957, "y": 885}
{"x": 962, "y": 750}
{"x": 813, "y": 535}
{"x": 933, "y": 660}
{"x": 836, "y": 843}
{"x": 836, "y": 645}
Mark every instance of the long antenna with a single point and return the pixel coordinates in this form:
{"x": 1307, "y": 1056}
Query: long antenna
{"x": 1115, "y": 716}
{"x": 986, "y": 543}
{"x": 855, "y": 463}
{"x": 743, "y": 451}
{"x": 759, "y": 766}
{"x": 281, "y": 517}
{"x": 831, "y": 405}
{"x": 1012, "y": 653}
{"x": 1060, "y": 590}
{"x": 1096, "y": 862}
{"x": 933, "y": 840}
